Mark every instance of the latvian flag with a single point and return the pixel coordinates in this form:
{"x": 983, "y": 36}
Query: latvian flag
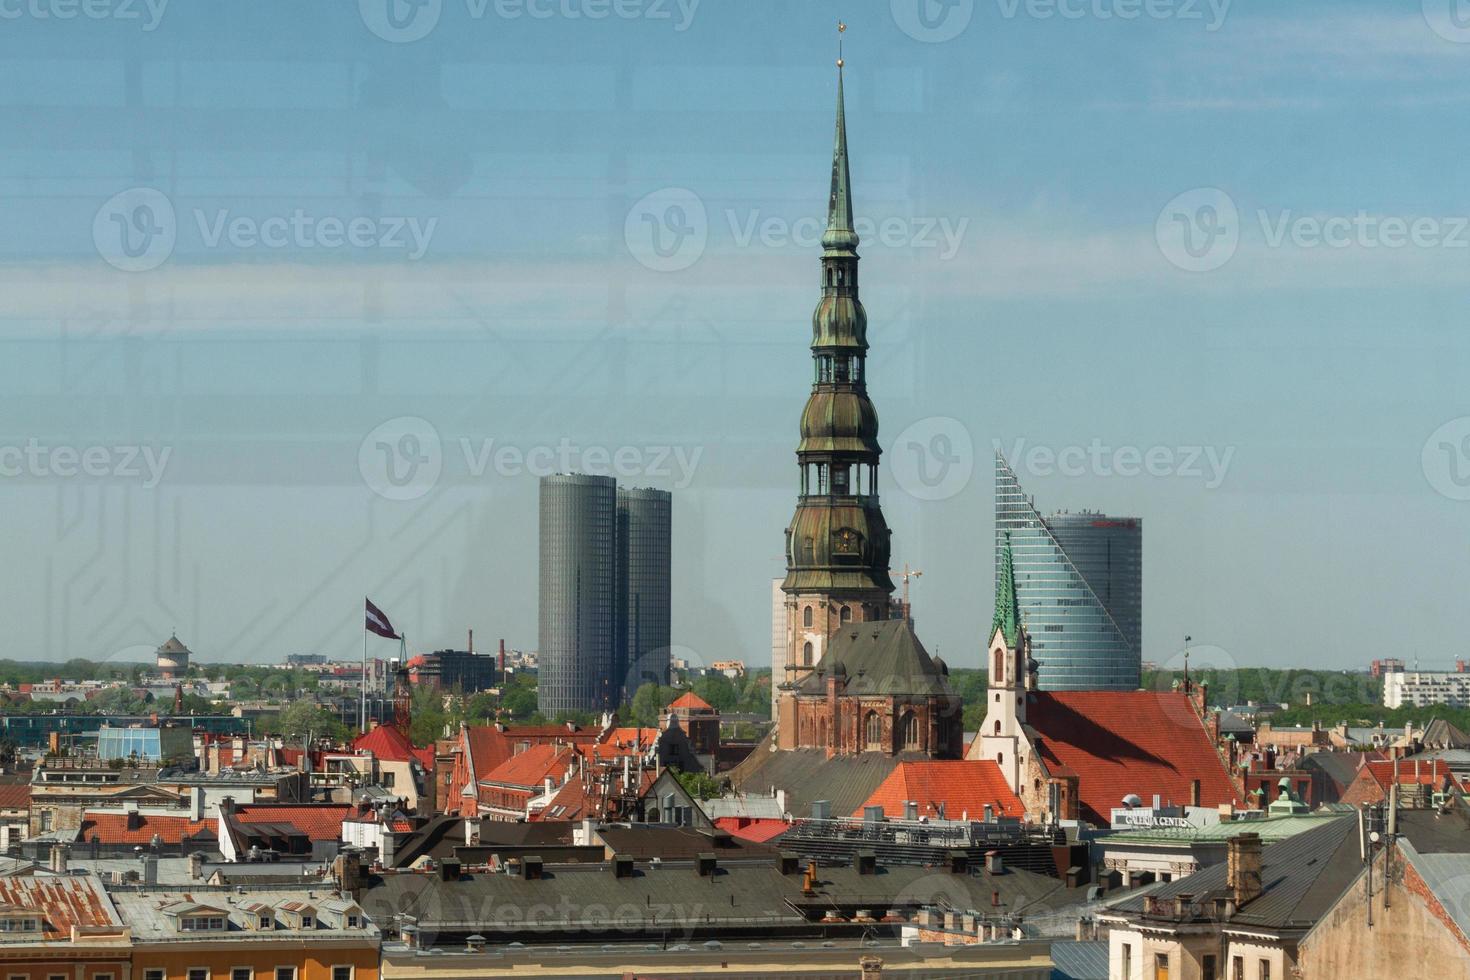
{"x": 378, "y": 623}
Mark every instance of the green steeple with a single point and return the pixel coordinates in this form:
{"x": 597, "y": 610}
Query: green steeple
{"x": 839, "y": 235}
{"x": 1007, "y": 609}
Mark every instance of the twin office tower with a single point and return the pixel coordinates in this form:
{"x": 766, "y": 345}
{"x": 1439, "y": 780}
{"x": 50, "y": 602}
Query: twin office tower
{"x": 604, "y": 592}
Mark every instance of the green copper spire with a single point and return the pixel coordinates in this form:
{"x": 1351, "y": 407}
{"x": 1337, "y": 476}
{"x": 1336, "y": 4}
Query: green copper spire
{"x": 1006, "y": 606}
{"x": 840, "y": 235}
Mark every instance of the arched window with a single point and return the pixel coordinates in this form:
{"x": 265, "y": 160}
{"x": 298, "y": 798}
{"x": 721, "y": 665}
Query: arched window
{"x": 1000, "y": 758}
{"x": 846, "y": 614}
{"x": 806, "y": 652}
{"x": 996, "y": 675}
{"x": 997, "y": 727}
{"x": 910, "y": 730}
{"x": 822, "y": 733}
{"x": 874, "y": 731}
{"x": 806, "y": 616}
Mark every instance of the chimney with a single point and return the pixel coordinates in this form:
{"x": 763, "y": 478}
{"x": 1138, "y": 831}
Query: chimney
{"x": 135, "y": 819}
{"x": 196, "y": 866}
{"x": 959, "y": 861}
{"x": 58, "y": 858}
{"x": 989, "y": 813}
{"x": 872, "y": 968}
{"x": 993, "y": 863}
{"x": 449, "y": 869}
{"x": 864, "y": 860}
{"x": 1243, "y": 868}
{"x": 196, "y": 803}
{"x": 150, "y": 870}
{"x": 531, "y": 867}
{"x": 471, "y": 647}
{"x": 622, "y": 866}
{"x": 911, "y": 809}
{"x": 789, "y": 863}
{"x": 706, "y": 864}
{"x": 472, "y": 831}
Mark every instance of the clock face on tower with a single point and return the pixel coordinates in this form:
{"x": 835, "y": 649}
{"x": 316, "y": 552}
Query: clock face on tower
{"x": 846, "y": 542}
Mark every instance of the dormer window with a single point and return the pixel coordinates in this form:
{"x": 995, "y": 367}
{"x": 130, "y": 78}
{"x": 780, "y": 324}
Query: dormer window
{"x": 201, "y": 923}
{"x": 10, "y": 924}
{"x": 307, "y": 922}
{"x": 352, "y": 922}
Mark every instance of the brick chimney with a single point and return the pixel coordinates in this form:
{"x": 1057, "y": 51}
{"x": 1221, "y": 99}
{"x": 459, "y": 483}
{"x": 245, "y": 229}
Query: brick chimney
{"x": 872, "y": 968}
{"x": 1243, "y": 868}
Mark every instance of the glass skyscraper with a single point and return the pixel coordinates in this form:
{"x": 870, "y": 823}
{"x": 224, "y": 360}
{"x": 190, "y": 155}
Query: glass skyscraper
{"x": 578, "y": 516}
{"x": 643, "y": 573}
{"x": 1079, "y": 582}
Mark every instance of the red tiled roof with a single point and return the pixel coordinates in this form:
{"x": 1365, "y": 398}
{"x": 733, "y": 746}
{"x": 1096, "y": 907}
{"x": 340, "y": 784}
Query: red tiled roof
{"x": 1430, "y": 772}
{"x": 964, "y": 787}
{"x": 1121, "y": 742}
{"x": 692, "y": 701}
{"x": 318, "y": 821}
{"x": 490, "y": 747}
{"x": 530, "y": 767}
{"x": 388, "y": 743}
{"x": 758, "y": 830}
{"x": 567, "y": 804}
{"x": 15, "y": 796}
{"x": 112, "y": 828}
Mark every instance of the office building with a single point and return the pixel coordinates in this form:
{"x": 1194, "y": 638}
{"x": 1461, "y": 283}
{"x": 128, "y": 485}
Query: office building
{"x": 1079, "y": 582}
{"x": 578, "y": 579}
{"x": 644, "y": 523}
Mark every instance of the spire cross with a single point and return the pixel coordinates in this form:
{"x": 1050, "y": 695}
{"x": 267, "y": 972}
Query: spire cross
{"x": 841, "y": 29}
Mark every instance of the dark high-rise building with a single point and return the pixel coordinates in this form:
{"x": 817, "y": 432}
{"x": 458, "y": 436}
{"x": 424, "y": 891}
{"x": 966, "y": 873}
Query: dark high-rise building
{"x": 644, "y": 539}
{"x": 454, "y": 670}
{"x": 578, "y": 581}
{"x": 1079, "y": 584}
{"x": 837, "y": 545}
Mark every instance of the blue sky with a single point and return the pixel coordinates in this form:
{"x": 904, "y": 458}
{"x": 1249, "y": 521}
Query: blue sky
{"x": 255, "y": 253}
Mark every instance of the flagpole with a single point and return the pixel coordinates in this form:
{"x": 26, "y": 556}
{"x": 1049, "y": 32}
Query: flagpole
{"x": 362, "y": 715}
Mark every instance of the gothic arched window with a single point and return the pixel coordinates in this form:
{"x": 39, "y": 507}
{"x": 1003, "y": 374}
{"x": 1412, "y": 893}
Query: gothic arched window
{"x": 874, "y": 731}
{"x": 910, "y": 730}
{"x": 806, "y": 651}
{"x": 806, "y": 616}
{"x": 997, "y": 676}
{"x": 845, "y": 615}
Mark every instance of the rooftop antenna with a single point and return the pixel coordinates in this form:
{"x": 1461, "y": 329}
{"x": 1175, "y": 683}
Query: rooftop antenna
{"x": 1186, "y": 663}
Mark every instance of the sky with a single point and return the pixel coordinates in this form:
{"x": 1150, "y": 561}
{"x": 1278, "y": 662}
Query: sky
{"x": 298, "y": 299}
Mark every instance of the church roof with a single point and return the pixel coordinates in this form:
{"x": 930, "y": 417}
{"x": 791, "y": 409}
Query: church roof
{"x": 840, "y": 234}
{"x": 951, "y": 788}
{"x": 1121, "y": 742}
{"x": 882, "y": 657}
{"x": 691, "y": 701}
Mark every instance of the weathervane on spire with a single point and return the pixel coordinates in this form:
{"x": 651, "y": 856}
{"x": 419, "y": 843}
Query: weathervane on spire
{"x": 841, "y": 29}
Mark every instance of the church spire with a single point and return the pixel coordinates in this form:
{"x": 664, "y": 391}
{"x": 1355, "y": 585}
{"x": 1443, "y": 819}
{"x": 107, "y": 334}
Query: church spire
{"x": 840, "y": 234}
{"x": 1006, "y": 606}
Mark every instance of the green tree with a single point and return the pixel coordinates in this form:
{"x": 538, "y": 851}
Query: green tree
{"x": 306, "y": 718}
{"x": 700, "y": 785}
{"x": 649, "y": 700}
{"x": 718, "y": 690}
{"x": 519, "y": 702}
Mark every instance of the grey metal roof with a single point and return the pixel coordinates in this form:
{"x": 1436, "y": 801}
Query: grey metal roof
{"x": 807, "y": 775}
{"x": 145, "y": 912}
{"x": 1301, "y": 877}
{"x": 879, "y": 658}
{"x": 1079, "y": 960}
{"x": 1448, "y": 877}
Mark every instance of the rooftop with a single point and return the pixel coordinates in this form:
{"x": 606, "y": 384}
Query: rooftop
{"x": 148, "y": 913}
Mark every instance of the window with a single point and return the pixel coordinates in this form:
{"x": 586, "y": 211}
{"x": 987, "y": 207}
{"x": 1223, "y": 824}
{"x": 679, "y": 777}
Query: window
{"x": 198, "y": 973}
{"x": 341, "y": 973}
{"x": 201, "y": 923}
{"x": 874, "y": 727}
{"x": 910, "y": 731}
{"x": 1161, "y": 966}
{"x": 1265, "y": 970}
{"x": 1127, "y": 961}
{"x": 1237, "y": 968}
{"x": 242, "y": 973}
{"x": 806, "y": 618}
{"x": 285, "y": 973}
{"x": 306, "y": 922}
{"x": 845, "y": 615}
{"x": 352, "y": 922}
{"x": 1208, "y": 968}
{"x": 806, "y": 652}
{"x": 153, "y": 975}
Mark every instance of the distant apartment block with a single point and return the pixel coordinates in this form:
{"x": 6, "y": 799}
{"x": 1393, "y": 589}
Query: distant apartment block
{"x": 1419, "y": 688}
{"x": 453, "y": 670}
{"x": 1388, "y": 665}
